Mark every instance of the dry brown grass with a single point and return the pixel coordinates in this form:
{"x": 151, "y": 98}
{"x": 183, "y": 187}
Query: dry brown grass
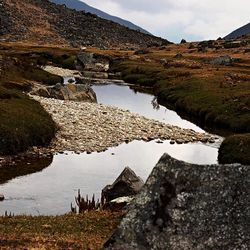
{"x": 85, "y": 231}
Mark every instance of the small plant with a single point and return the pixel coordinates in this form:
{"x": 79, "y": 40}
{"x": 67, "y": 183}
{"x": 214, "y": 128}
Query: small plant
{"x": 10, "y": 215}
{"x": 85, "y": 204}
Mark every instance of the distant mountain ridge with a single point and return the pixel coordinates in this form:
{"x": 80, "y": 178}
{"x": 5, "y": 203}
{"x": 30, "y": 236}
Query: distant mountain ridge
{"x": 79, "y": 5}
{"x": 242, "y": 31}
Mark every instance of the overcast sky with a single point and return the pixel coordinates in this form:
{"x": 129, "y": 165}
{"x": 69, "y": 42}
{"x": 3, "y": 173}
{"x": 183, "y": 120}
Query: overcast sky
{"x": 176, "y": 19}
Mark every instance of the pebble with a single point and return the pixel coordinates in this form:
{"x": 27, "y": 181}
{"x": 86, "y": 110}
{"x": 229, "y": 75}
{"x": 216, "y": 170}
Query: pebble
{"x": 92, "y": 127}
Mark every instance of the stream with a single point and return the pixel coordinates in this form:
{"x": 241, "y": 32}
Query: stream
{"x": 51, "y": 190}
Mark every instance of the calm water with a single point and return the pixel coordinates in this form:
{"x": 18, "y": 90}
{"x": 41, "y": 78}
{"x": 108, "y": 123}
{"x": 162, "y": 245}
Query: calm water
{"x": 51, "y": 190}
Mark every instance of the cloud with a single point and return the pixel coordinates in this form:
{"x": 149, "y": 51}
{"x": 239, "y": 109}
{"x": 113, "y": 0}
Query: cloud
{"x": 176, "y": 19}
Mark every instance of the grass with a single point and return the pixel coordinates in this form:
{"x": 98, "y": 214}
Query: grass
{"x": 85, "y": 231}
{"x": 24, "y": 123}
{"x": 214, "y": 97}
{"x": 235, "y": 149}
{"x": 200, "y": 94}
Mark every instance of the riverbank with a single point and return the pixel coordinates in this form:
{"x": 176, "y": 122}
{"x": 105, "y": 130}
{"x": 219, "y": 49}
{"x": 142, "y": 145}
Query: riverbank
{"x": 24, "y": 123}
{"x": 91, "y": 127}
{"x": 216, "y": 96}
{"x": 84, "y": 231}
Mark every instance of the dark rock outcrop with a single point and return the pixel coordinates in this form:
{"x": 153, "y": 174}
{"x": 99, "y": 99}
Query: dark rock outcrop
{"x": 186, "y": 206}
{"x": 127, "y": 184}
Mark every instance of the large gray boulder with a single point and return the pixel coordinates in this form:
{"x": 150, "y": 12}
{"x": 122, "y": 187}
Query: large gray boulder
{"x": 72, "y": 92}
{"x": 186, "y": 206}
{"x": 222, "y": 60}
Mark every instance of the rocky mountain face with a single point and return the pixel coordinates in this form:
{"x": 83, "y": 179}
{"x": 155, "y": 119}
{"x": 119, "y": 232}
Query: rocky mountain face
{"x": 242, "y": 31}
{"x": 79, "y": 5}
{"x": 43, "y": 22}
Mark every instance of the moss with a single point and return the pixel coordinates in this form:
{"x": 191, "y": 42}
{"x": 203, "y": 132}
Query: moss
{"x": 235, "y": 149}
{"x": 24, "y": 123}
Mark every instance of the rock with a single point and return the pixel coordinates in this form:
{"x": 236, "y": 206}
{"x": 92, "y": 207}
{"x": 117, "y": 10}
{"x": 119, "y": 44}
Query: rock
{"x": 141, "y": 52}
{"x": 222, "y": 60}
{"x": 186, "y": 206}
{"x": 178, "y": 56}
{"x": 74, "y": 92}
{"x": 183, "y": 41}
{"x": 1, "y": 197}
{"x": 118, "y": 204}
{"x": 93, "y": 62}
{"x": 93, "y": 74}
{"x": 92, "y": 127}
{"x": 127, "y": 184}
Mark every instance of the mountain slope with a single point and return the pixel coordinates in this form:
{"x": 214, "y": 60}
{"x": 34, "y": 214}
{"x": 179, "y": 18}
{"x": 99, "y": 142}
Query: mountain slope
{"x": 244, "y": 30}
{"x": 79, "y": 5}
{"x": 43, "y": 22}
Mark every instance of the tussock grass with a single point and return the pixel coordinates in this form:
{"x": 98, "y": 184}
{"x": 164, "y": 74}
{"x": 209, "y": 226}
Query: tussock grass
{"x": 24, "y": 123}
{"x": 235, "y": 149}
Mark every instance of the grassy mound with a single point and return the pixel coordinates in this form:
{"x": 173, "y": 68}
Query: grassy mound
{"x": 235, "y": 149}
{"x": 24, "y": 123}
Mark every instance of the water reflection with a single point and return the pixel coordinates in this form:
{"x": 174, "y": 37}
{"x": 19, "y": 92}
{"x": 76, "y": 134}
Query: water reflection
{"x": 52, "y": 190}
{"x": 155, "y": 103}
{"x": 141, "y": 103}
{"x": 24, "y": 167}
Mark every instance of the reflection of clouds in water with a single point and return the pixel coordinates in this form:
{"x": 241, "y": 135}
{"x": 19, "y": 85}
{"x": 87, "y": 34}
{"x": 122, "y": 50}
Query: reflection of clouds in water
{"x": 54, "y": 188}
{"x": 141, "y": 103}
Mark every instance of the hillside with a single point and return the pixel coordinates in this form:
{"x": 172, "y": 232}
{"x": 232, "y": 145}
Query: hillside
{"x": 43, "y": 22}
{"x": 242, "y": 31}
{"x": 79, "y": 5}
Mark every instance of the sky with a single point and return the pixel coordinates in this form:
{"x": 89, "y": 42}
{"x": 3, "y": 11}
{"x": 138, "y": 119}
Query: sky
{"x": 176, "y": 19}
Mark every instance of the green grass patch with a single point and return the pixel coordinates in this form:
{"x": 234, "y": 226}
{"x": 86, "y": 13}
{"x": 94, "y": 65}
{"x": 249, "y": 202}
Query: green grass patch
{"x": 24, "y": 123}
{"x": 207, "y": 100}
{"x": 235, "y": 149}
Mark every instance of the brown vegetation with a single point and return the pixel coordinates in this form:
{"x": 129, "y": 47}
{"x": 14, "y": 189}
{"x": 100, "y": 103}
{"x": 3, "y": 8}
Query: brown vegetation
{"x": 84, "y": 231}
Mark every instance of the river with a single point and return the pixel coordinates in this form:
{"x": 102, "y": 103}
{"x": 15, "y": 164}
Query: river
{"x": 51, "y": 190}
